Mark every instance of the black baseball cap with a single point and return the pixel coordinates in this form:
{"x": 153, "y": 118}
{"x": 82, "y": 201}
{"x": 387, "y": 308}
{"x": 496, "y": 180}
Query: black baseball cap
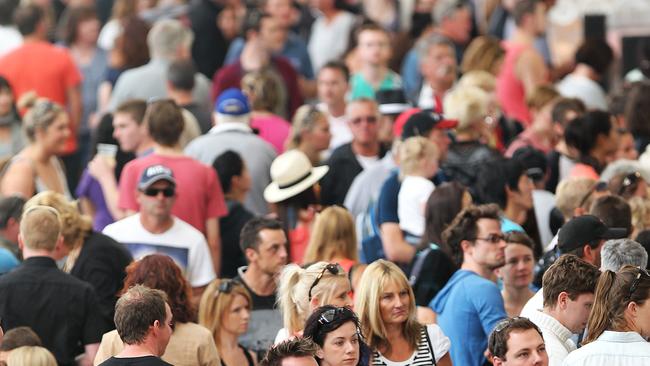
{"x": 419, "y": 124}
{"x": 582, "y": 230}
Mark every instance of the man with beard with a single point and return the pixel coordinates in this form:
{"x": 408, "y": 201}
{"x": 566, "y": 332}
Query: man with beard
{"x": 470, "y": 304}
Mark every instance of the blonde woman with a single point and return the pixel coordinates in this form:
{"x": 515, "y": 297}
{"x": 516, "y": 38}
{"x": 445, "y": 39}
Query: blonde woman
{"x": 91, "y": 256}
{"x": 310, "y": 133}
{"x": 32, "y": 356}
{"x": 386, "y": 306}
{"x": 302, "y": 291}
{"x": 333, "y": 239}
{"x": 225, "y": 310}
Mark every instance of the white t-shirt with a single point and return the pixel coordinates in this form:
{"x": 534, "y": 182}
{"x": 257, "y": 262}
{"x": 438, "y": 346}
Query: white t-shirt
{"x": 367, "y": 161}
{"x": 339, "y": 128}
{"x": 10, "y": 39}
{"x": 182, "y": 242}
{"x": 585, "y": 89}
{"x": 439, "y": 343}
{"x": 413, "y": 195}
{"x": 329, "y": 40}
{"x": 110, "y": 31}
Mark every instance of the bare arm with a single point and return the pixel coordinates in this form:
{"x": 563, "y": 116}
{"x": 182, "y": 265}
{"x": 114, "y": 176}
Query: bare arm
{"x": 395, "y": 247}
{"x": 103, "y": 96}
{"x": 445, "y": 360}
{"x": 307, "y": 88}
{"x": 213, "y": 237}
{"x": 18, "y": 180}
{"x": 101, "y": 171}
{"x": 531, "y": 70}
{"x": 89, "y": 354}
{"x": 74, "y": 105}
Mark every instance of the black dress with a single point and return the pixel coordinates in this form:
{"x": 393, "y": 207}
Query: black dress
{"x": 248, "y": 357}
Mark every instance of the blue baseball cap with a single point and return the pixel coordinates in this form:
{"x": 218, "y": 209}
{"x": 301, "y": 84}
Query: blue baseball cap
{"x": 154, "y": 174}
{"x": 232, "y": 102}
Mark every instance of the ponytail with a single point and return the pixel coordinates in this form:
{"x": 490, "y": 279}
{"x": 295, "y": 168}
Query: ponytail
{"x": 290, "y": 306}
{"x": 601, "y": 316}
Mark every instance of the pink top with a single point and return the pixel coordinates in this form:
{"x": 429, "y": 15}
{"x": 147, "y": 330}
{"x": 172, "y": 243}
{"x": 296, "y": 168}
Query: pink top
{"x": 584, "y": 171}
{"x": 198, "y": 192}
{"x": 510, "y": 90}
{"x": 528, "y": 138}
{"x": 272, "y": 129}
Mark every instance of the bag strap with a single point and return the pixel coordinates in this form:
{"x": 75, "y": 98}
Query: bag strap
{"x": 418, "y": 264}
{"x": 433, "y": 354}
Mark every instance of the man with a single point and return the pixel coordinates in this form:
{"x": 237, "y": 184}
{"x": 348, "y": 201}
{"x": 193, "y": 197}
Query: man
{"x": 621, "y": 252}
{"x": 63, "y": 310}
{"x": 232, "y": 131}
{"x": 348, "y": 160}
{"x": 168, "y": 41}
{"x": 569, "y": 286}
{"x": 143, "y": 320}
{"x": 180, "y": 84}
{"x": 295, "y": 352}
{"x": 156, "y": 230}
{"x": 264, "y": 36}
{"x": 438, "y": 67}
{"x": 470, "y": 297}
{"x": 265, "y": 246}
{"x": 614, "y": 211}
{"x": 10, "y": 37}
{"x": 523, "y": 67}
{"x": 582, "y": 236}
{"x": 10, "y": 210}
{"x": 200, "y": 200}
{"x": 332, "y": 86}
{"x": 57, "y": 79}
{"x": 517, "y": 341}
{"x": 453, "y": 20}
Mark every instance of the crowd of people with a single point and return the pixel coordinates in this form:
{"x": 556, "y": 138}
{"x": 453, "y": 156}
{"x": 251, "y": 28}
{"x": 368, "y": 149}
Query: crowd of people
{"x": 326, "y": 182}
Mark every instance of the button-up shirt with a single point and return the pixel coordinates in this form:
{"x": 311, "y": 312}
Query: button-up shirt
{"x": 612, "y": 349}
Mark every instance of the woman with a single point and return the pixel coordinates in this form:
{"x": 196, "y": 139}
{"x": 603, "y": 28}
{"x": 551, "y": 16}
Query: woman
{"x": 11, "y": 134}
{"x": 517, "y": 274}
{"x": 293, "y": 190}
{"x": 32, "y": 356}
{"x": 629, "y": 185}
{"x": 333, "y": 238}
{"x": 36, "y": 168}
{"x": 330, "y": 32}
{"x": 595, "y": 139}
{"x": 265, "y": 92}
{"x": 619, "y": 322}
{"x": 225, "y": 310}
{"x": 337, "y": 332}
{"x": 303, "y": 290}
{"x": 386, "y": 304}
{"x": 310, "y": 133}
{"x": 637, "y": 113}
{"x": 91, "y": 256}
{"x": 190, "y": 343}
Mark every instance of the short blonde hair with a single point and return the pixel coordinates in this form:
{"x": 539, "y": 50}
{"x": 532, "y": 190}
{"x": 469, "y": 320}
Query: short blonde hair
{"x": 468, "y": 105}
{"x": 478, "y": 78}
{"x": 541, "y": 96}
{"x": 214, "y": 304}
{"x": 413, "y": 151}
{"x": 333, "y": 235}
{"x": 265, "y": 91}
{"x": 32, "y": 356}
{"x": 40, "y": 227}
{"x": 483, "y": 53}
{"x": 367, "y": 304}
{"x": 304, "y": 120}
{"x": 293, "y": 292}
{"x": 570, "y": 192}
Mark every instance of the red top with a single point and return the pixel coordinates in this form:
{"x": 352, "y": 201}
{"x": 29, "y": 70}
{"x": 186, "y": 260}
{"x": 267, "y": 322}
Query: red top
{"x": 510, "y": 90}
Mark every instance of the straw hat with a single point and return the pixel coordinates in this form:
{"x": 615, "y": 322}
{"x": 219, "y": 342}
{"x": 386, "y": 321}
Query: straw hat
{"x": 292, "y": 173}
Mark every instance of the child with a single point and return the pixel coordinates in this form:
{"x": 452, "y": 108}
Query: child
{"x": 418, "y": 164}
{"x": 374, "y": 51}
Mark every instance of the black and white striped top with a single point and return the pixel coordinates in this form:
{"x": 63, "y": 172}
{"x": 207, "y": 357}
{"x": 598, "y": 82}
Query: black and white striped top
{"x": 432, "y": 343}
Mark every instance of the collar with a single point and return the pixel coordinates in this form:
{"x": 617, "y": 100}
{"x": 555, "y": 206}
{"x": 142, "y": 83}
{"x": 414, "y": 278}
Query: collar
{"x": 549, "y": 323}
{"x": 233, "y": 126}
{"x": 40, "y": 262}
{"x": 621, "y": 337}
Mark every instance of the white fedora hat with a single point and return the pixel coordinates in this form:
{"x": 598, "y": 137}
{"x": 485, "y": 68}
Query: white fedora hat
{"x": 292, "y": 173}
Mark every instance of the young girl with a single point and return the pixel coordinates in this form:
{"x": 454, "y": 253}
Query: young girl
{"x": 418, "y": 164}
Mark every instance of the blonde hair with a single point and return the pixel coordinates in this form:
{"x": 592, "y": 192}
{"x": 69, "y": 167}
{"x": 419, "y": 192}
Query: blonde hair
{"x": 293, "y": 292}
{"x": 478, "y": 78}
{"x": 32, "y": 356}
{"x": 483, "y": 53}
{"x": 541, "y": 96}
{"x": 265, "y": 91}
{"x": 468, "y": 105}
{"x": 413, "y": 152}
{"x": 332, "y": 236}
{"x": 367, "y": 304}
{"x": 304, "y": 120}
{"x": 214, "y": 304}
{"x": 40, "y": 227}
{"x": 570, "y": 192}
{"x": 41, "y": 113}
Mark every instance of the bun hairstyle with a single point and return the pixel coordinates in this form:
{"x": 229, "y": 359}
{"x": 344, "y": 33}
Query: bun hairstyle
{"x": 41, "y": 113}
{"x": 413, "y": 151}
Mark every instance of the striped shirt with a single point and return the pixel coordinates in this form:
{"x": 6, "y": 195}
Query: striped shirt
{"x": 431, "y": 347}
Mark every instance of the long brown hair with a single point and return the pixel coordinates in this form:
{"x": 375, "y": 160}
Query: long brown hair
{"x": 613, "y": 293}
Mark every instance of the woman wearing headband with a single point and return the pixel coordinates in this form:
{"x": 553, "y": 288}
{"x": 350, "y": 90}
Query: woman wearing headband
{"x": 225, "y": 310}
{"x": 303, "y": 290}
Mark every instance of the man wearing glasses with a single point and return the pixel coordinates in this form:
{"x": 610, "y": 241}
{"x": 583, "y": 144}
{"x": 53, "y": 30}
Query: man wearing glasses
{"x": 470, "y": 304}
{"x": 155, "y": 230}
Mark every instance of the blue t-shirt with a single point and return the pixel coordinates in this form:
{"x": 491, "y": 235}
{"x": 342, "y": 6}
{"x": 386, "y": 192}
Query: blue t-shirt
{"x": 387, "y": 201}
{"x": 468, "y": 308}
{"x": 7, "y": 261}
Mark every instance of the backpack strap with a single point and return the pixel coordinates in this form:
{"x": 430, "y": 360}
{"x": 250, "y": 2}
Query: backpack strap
{"x": 418, "y": 264}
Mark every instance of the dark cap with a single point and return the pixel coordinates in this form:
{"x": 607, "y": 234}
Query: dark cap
{"x": 391, "y": 101}
{"x": 582, "y": 230}
{"x": 154, "y": 174}
{"x": 421, "y": 123}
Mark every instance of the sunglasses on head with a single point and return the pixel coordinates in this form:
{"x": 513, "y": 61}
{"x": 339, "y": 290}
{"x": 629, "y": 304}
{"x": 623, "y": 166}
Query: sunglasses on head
{"x": 637, "y": 280}
{"x": 153, "y": 192}
{"x": 332, "y": 268}
{"x": 630, "y": 180}
{"x": 329, "y": 315}
{"x": 225, "y": 287}
{"x": 369, "y": 119}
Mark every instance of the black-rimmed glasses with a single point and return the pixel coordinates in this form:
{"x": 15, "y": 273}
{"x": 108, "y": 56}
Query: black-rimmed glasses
{"x": 493, "y": 238}
{"x": 332, "y": 268}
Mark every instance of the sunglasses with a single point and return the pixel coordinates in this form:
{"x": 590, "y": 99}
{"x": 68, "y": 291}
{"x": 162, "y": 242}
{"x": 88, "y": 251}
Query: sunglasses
{"x": 637, "y": 280}
{"x": 506, "y": 323}
{"x": 598, "y": 187}
{"x": 225, "y": 287}
{"x": 369, "y": 119}
{"x": 630, "y": 180}
{"x": 493, "y": 238}
{"x": 332, "y": 268}
{"x": 331, "y": 314}
{"x": 153, "y": 192}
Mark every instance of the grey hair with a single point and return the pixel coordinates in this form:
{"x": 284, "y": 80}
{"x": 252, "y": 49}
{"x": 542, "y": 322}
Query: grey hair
{"x": 620, "y": 252}
{"x": 425, "y": 44}
{"x": 445, "y": 9}
{"x": 167, "y": 36}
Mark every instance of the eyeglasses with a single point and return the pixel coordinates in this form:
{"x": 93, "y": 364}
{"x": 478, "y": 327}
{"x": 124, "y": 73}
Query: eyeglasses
{"x": 630, "y": 180}
{"x": 329, "y": 315}
{"x": 636, "y": 281}
{"x": 598, "y": 187}
{"x": 505, "y": 323}
{"x": 370, "y": 119}
{"x": 332, "y": 268}
{"x": 225, "y": 287}
{"x": 493, "y": 238}
{"x": 153, "y": 192}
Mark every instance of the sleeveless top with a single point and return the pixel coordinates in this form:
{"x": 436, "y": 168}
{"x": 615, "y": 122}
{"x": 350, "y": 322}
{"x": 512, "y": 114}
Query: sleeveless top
{"x": 510, "y": 90}
{"x": 249, "y": 359}
{"x": 422, "y": 356}
{"x": 39, "y": 185}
